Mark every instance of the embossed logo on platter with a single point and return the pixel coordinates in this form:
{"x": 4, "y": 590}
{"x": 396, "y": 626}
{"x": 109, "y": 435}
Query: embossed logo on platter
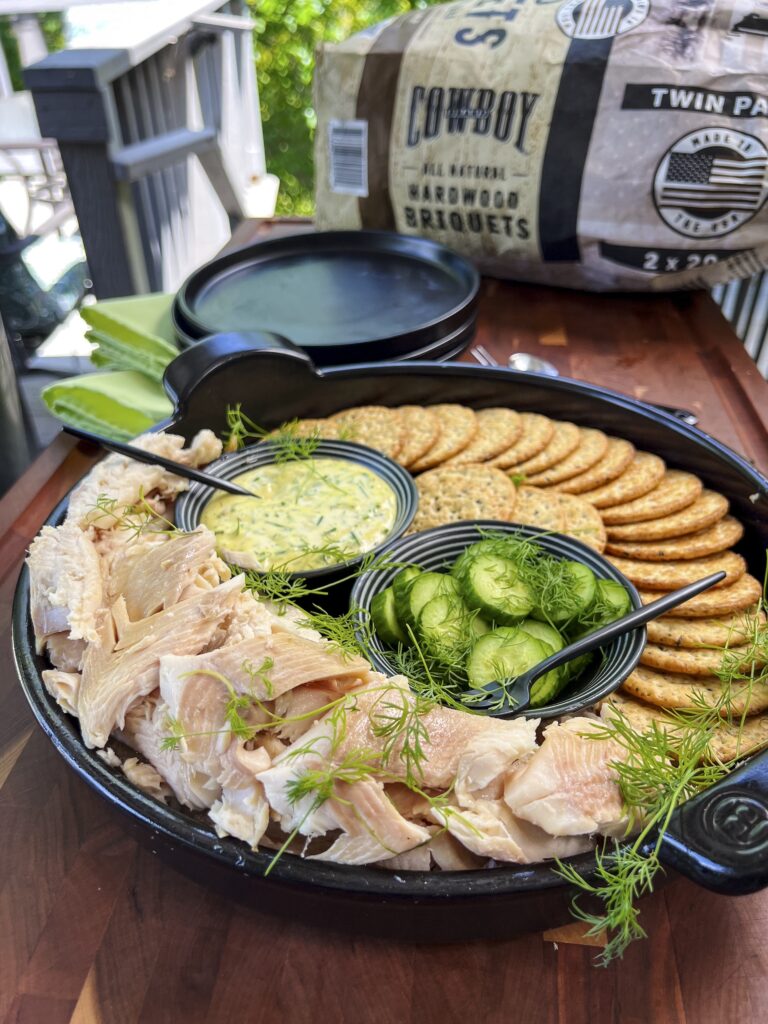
{"x": 742, "y": 819}
{"x": 601, "y": 19}
{"x": 711, "y": 181}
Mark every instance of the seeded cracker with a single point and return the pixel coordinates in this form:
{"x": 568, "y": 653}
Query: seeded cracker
{"x": 676, "y": 491}
{"x": 458, "y": 426}
{"x": 327, "y": 429}
{"x": 690, "y": 662}
{"x": 671, "y": 575}
{"x": 728, "y": 630}
{"x": 744, "y": 593}
{"x": 497, "y": 430}
{"x": 731, "y": 740}
{"x": 560, "y": 513}
{"x": 592, "y": 446}
{"x": 564, "y": 440}
{"x": 450, "y": 494}
{"x": 674, "y": 690}
{"x": 534, "y": 437}
{"x": 642, "y": 474}
{"x": 421, "y": 429}
{"x": 374, "y": 425}
{"x": 710, "y": 541}
{"x": 617, "y": 457}
{"x": 708, "y": 509}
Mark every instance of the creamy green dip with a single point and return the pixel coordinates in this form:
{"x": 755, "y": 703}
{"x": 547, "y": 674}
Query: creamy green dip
{"x": 309, "y": 513}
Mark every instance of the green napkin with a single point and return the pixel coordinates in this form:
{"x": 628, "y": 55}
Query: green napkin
{"x": 118, "y": 405}
{"x": 132, "y": 334}
{"x": 149, "y": 356}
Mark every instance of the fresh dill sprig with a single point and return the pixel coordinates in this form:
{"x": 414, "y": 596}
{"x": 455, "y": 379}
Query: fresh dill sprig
{"x": 288, "y": 440}
{"x": 138, "y": 517}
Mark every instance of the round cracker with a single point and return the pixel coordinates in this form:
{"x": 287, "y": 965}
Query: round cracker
{"x": 592, "y": 446}
{"x": 560, "y": 513}
{"x": 710, "y": 541}
{"x": 708, "y": 509}
{"x": 671, "y": 575}
{"x": 458, "y": 425}
{"x": 618, "y": 455}
{"x": 497, "y": 430}
{"x": 744, "y": 593}
{"x": 535, "y": 434}
{"x": 323, "y": 428}
{"x": 421, "y": 429}
{"x": 641, "y": 475}
{"x": 450, "y": 494}
{"x": 374, "y": 425}
{"x": 704, "y": 661}
{"x": 675, "y": 491}
{"x": 727, "y": 630}
{"x": 564, "y": 440}
{"x": 729, "y": 741}
{"x": 674, "y": 690}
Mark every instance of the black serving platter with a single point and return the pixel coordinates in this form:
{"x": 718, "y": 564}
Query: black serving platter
{"x": 718, "y": 838}
{"x": 340, "y": 295}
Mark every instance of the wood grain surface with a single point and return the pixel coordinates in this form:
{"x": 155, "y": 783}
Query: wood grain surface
{"x": 97, "y": 930}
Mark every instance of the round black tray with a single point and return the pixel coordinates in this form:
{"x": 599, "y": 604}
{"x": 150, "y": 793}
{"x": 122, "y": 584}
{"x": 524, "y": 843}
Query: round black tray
{"x": 342, "y": 296}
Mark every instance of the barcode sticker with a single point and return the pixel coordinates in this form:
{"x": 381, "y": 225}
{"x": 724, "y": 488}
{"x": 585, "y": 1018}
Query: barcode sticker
{"x": 348, "y": 149}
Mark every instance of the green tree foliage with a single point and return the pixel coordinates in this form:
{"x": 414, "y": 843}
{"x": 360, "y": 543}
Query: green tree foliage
{"x": 287, "y": 33}
{"x": 52, "y": 27}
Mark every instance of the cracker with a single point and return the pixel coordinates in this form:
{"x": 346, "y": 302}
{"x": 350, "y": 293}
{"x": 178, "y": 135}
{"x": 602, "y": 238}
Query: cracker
{"x": 450, "y": 494}
{"x": 592, "y": 446}
{"x": 674, "y": 690}
{"x": 421, "y": 429}
{"x": 497, "y": 430}
{"x": 560, "y": 513}
{"x": 703, "y": 661}
{"x": 675, "y": 491}
{"x": 710, "y": 541}
{"x": 744, "y": 593}
{"x": 617, "y": 457}
{"x": 374, "y": 425}
{"x": 707, "y": 510}
{"x": 564, "y": 440}
{"x": 729, "y": 741}
{"x": 671, "y": 575}
{"x": 535, "y": 434}
{"x": 726, "y": 630}
{"x": 641, "y": 475}
{"x": 312, "y": 427}
{"x": 458, "y": 426}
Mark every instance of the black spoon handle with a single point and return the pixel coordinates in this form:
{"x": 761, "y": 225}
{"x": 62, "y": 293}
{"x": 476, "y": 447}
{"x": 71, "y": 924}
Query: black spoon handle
{"x": 626, "y": 623}
{"x": 152, "y": 459}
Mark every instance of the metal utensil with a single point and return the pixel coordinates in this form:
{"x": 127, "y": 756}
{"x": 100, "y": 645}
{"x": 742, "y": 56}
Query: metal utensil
{"x": 501, "y": 699}
{"x": 152, "y": 459}
{"x": 527, "y": 363}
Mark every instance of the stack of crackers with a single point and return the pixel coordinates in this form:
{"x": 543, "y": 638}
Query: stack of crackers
{"x": 660, "y": 527}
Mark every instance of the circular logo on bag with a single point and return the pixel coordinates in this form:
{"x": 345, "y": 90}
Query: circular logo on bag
{"x": 710, "y": 182}
{"x": 601, "y": 19}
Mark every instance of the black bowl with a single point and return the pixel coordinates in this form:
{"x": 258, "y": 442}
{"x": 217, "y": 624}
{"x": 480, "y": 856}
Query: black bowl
{"x": 190, "y": 505}
{"x": 437, "y": 549}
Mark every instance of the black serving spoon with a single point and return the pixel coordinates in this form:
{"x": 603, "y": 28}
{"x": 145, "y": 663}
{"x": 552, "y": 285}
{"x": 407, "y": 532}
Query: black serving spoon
{"x": 152, "y": 459}
{"x": 499, "y": 699}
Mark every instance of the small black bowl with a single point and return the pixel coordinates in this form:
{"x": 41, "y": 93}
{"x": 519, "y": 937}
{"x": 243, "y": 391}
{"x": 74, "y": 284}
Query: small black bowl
{"x": 437, "y": 549}
{"x": 190, "y": 505}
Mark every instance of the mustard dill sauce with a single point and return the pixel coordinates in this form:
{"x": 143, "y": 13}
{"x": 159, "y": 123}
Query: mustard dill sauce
{"x": 306, "y": 510}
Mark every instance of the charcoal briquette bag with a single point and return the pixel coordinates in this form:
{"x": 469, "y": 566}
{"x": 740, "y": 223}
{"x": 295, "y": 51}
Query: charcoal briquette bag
{"x": 604, "y": 144}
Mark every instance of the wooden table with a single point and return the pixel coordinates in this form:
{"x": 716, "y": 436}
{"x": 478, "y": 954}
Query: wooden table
{"x": 95, "y": 929}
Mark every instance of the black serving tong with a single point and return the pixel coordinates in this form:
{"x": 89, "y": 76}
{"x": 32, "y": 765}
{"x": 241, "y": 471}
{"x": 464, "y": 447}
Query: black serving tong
{"x": 153, "y": 459}
{"x": 499, "y": 699}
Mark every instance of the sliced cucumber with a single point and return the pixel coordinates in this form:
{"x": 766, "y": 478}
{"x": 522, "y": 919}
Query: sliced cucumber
{"x": 401, "y": 585}
{"x": 579, "y": 585}
{"x": 444, "y": 627}
{"x": 543, "y": 631}
{"x": 612, "y": 599}
{"x": 545, "y": 690}
{"x": 493, "y": 586}
{"x": 503, "y": 654}
{"x": 384, "y": 618}
{"x": 426, "y": 586}
{"x": 477, "y": 625}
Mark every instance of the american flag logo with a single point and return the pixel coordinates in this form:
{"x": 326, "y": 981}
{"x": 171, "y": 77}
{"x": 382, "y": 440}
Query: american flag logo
{"x": 597, "y": 19}
{"x": 713, "y": 180}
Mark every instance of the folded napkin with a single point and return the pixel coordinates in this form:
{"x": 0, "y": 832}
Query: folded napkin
{"x": 118, "y": 405}
{"x": 132, "y": 334}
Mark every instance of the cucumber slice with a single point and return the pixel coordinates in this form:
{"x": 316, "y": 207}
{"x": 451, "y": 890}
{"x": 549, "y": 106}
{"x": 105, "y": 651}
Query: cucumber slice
{"x": 503, "y": 654}
{"x": 546, "y": 689}
{"x": 384, "y": 618}
{"x": 444, "y": 628}
{"x": 580, "y": 584}
{"x": 421, "y": 590}
{"x": 492, "y": 585}
{"x": 401, "y": 585}
{"x": 612, "y": 601}
{"x": 477, "y": 625}
{"x": 543, "y": 631}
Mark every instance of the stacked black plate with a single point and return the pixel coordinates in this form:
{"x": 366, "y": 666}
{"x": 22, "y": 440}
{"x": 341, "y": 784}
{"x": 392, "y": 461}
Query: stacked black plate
{"x": 342, "y": 296}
